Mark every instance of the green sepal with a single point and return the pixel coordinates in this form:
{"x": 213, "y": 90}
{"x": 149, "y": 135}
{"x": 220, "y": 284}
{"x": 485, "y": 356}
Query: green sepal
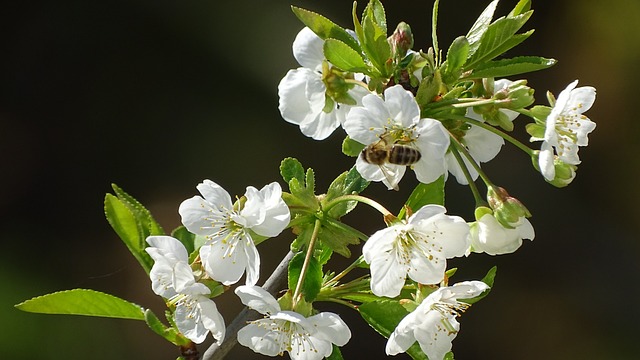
{"x": 348, "y": 183}
{"x": 185, "y": 237}
{"x": 456, "y": 57}
{"x": 540, "y": 113}
{"x": 343, "y": 56}
{"x": 424, "y": 194}
{"x": 535, "y": 130}
{"x": 384, "y": 316}
{"x": 83, "y": 302}
{"x": 325, "y": 28}
{"x": 169, "y": 333}
{"x": 509, "y": 67}
{"x": 429, "y": 89}
{"x": 499, "y": 37}
{"x": 487, "y": 279}
{"x": 133, "y": 223}
{"x": 312, "y": 280}
{"x": 351, "y": 147}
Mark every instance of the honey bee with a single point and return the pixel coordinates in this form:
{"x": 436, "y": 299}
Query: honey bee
{"x": 384, "y": 152}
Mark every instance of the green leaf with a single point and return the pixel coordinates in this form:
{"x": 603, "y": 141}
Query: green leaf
{"x": 312, "y": 280}
{"x": 374, "y": 42}
{"x": 142, "y": 214}
{"x": 457, "y": 54}
{"x": 424, "y": 194}
{"x": 480, "y": 27}
{"x": 169, "y": 333}
{"x": 347, "y": 183}
{"x": 126, "y": 225}
{"x": 344, "y": 57}
{"x": 325, "y": 28}
{"x": 521, "y": 7}
{"x": 290, "y": 168}
{"x": 351, "y": 147}
{"x": 336, "y": 238}
{"x": 383, "y": 316}
{"x": 375, "y": 10}
{"x": 508, "y": 67}
{"x": 456, "y": 57}
{"x": 83, "y": 302}
{"x": 499, "y": 37}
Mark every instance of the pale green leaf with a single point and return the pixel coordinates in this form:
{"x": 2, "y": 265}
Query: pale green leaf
{"x": 325, "y": 28}
{"x": 509, "y": 67}
{"x": 83, "y": 302}
{"x": 344, "y": 57}
{"x": 424, "y": 194}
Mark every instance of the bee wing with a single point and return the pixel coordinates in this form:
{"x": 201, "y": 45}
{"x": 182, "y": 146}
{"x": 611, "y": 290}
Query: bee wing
{"x": 389, "y": 174}
{"x": 392, "y": 175}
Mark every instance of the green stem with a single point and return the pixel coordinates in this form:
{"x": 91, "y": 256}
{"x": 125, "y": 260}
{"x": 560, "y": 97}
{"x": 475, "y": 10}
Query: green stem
{"x": 343, "y": 302}
{"x": 472, "y": 161}
{"x": 357, "y": 198}
{"x": 307, "y": 259}
{"x": 357, "y": 82}
{"x": 467, "y": 175}
{"x": 344, "y": 272}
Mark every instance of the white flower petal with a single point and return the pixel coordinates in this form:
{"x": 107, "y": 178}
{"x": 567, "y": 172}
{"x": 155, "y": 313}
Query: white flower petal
{"x": 401, "y": 105}
{"x": 277, "y": 214}
{"x": 211, "y": 319}
{"x": 545, "y": 161}
{"x": 220, "y": 266}
{"x": 402, "y": 337}
{"x": 434, "y": 339}
{"x": 167, "y": 245}
{"x": 258, "y": 299}
{"x": 307, "y": 49}
{"x": 330, "y": 327}
{"x": 253, "y": 263}
{"x": 199, "y": 217}
{"x": 214, "y": 193}
{"x": 258, "y": 337}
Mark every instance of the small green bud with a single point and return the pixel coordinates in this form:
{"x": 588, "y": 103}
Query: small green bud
{"x": 508, "y": 210}
{"x": 337, "y": 87}
{"x": 516, "y": 96}
{"x": 565, "y": 173}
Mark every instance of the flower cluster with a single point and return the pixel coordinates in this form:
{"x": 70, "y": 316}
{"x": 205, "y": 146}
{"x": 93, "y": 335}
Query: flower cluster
{"x": 398, "y": 109}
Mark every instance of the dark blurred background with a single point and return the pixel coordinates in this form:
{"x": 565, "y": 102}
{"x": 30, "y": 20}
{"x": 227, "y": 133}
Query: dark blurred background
{"x": 156, "y": 96}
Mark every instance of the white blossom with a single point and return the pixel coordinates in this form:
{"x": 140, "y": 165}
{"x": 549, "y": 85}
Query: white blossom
{"x": 482, "y": 144}
{"x": 303, "y": 94}
{"x": 491, "y": 237}
{"x": 172, "y": 278}
{"x": 304, "y": 338}
{"x": 396, "y": 120}
{"x": 433, "y": 323}
{"x": 566, "y": 128}
{"x": 418, "y": 248}
{"x": 229, "y": 250}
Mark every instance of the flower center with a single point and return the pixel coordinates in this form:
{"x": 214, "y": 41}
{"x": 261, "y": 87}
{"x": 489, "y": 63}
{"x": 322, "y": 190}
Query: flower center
{"x": 449, "y": 311}
{"x": 288, "y": 336}
{"x": 411, "y": 242}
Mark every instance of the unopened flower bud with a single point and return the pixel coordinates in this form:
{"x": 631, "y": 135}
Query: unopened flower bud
{"x": 515, "y": 96}
{"x": 508, "y": 210}
{"x": 401, "y": 40}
